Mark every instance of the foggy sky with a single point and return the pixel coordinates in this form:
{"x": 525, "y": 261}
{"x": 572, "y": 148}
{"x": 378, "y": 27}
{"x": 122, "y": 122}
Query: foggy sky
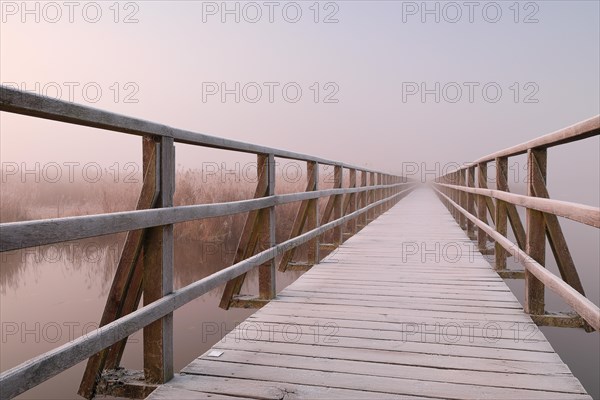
{"x": 371, "y": 54}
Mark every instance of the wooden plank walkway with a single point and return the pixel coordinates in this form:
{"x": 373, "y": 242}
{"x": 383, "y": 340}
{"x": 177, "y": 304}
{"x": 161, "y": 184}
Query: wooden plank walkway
{"x": 407, "y": 308}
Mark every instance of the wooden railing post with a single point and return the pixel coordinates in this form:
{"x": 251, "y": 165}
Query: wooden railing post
{"x": 266, "y": 272}
{"x": 350, "y": 205}
{"x": 470, "y": 201}
{"x": 388, "y": 192}
{"x": 462, "y": 197}
{"x": 536, "y": 233}
{"x": 372, "y": 195}
{"x": 456, "y": 195}
{"x": 481, "y": 206}
{"x": 338, "y": 205}
{"x": 501, "y": 211}
{"x": 158, "y": 275}
{"x": 363, "y": 200}
{"x": 313, "y": 214}
{"x": 379, "y": 193}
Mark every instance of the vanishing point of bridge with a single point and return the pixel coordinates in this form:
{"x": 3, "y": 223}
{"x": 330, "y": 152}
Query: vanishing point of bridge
{"x": 397, "y": 300}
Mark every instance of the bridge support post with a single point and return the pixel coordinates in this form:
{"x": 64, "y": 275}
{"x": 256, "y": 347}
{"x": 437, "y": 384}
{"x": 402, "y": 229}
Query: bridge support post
{"x": 481, "y": 206}
{"x": 337, "y": 206}
{"x": 462, "y": 198}
{"x": 158, "y": 275}
{"x": 372, "y": 196}
{"x": 501, "y": 211}
{"x": 379, "y": 194}
{"x": 536, "y": 233}
{"x": 363, "y": 200}
{"x": 454, "y": 195}
{"x": 471, "y": 202}
{"x": 313, "y": 213}
{"x": 266, "y": 272}
{"x": 351, "y": 206}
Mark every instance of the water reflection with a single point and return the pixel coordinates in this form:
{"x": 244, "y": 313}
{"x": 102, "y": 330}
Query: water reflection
{"x": 53, "y": 294}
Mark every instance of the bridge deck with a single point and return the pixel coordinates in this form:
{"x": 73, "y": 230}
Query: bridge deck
{"x": 406, "y": 308}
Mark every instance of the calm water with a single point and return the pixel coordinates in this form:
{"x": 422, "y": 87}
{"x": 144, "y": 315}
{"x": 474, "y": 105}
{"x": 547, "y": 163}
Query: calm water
{"x": 47, "y": 299}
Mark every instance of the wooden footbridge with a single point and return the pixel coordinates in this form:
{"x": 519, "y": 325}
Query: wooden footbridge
{"x": 397, "y": 300}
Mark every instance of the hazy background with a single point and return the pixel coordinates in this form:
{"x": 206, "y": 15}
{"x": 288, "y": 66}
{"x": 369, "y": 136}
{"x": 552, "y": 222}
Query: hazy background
{"x": 159, "y": 63}
{"x": 368, "y": 53}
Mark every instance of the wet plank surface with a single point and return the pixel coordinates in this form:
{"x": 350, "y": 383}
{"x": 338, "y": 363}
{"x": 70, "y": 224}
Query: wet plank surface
{"x": 407, "y": 308}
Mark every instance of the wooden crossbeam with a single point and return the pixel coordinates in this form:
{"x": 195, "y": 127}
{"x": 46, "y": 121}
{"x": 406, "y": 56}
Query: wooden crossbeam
{"x": 511, "y": 209}
{"x": 489, "y": 203}
{"x": 556, "y": 238}
{"x": 301, "y": 217}
{"x": 249, "y": 238}
{"x": 333, "y": 208}
{"x": 561, "y": 320}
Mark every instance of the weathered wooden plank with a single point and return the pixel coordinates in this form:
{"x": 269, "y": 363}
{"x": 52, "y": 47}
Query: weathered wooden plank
{"x": 561, "y": 384}
{"x": 194, "y": 387}
{"x": 375, "y": 324}
{"x": 376, "y": 384}
{"x": 505, "y": 335}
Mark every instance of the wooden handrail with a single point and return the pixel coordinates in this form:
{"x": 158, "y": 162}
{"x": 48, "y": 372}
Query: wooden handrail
{"x": 584, "y": 307}
{"x": 581, "y": 130}
{"x": 19, "y": 235}
{"x": 541, "y": 222}
{"x": 585, "y": 214}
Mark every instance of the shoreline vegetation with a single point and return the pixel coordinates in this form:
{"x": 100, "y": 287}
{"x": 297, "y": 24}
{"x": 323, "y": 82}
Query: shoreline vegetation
{"x": 202, "y": 247}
